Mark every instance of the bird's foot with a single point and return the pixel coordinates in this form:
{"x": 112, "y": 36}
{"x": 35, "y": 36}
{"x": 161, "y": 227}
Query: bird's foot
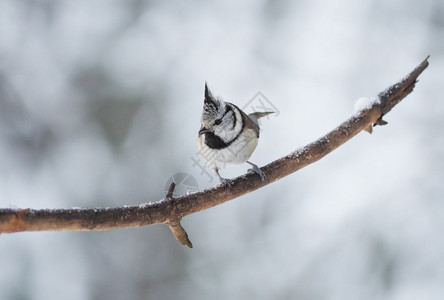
{"x": 257, "y": 170}
{"x": 224, "y": 181}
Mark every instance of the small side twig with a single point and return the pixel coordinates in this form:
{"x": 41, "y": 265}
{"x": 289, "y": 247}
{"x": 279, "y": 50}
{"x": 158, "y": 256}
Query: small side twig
{"x": 180, "y": 234}
{"x": 176, "y": 228}
{"x": 170, "y": 192}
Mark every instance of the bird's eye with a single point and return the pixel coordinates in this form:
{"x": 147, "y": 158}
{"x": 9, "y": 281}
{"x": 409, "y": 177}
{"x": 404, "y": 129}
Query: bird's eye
{"x": 218, "y": 121}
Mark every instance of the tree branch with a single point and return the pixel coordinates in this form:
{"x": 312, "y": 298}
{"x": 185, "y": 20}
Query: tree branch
{"x": 171, "y": 210}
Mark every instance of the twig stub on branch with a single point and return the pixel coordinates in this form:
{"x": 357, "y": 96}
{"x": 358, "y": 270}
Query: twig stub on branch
{"x": 176, "y": 228}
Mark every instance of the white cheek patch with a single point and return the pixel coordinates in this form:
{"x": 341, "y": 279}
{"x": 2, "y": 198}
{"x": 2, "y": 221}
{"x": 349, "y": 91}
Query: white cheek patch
{"x": 231, "y": 126}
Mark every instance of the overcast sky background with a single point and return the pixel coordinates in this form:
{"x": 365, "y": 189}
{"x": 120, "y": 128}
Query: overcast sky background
{"x": 100, "y": 104}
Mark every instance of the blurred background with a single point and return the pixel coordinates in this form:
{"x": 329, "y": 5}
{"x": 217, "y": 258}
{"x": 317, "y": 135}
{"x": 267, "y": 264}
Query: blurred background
{"x": 100, "y": 105}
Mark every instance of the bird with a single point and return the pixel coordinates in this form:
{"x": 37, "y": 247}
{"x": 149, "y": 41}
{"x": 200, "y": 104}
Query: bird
{"x": 227, "y": 135}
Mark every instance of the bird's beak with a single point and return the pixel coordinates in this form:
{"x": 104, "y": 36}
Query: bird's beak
{"x": 203, "y": 130}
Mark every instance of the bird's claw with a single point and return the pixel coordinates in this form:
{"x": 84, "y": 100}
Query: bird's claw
{"x": 257, "y": 170}
{"x": 225, "y": 182}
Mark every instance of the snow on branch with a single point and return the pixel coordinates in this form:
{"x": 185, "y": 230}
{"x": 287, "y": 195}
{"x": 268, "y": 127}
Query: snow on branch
{"x": 170, "y": 210}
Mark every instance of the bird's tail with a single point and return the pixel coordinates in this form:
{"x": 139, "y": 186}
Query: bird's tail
{"x": 257, "y": 115}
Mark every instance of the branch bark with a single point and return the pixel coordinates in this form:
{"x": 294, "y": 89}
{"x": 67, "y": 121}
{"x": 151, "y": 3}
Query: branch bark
{"x": 171, "y": 210}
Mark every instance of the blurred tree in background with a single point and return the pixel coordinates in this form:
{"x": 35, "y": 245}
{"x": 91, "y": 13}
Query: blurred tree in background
{"x": 100, "y": 104}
